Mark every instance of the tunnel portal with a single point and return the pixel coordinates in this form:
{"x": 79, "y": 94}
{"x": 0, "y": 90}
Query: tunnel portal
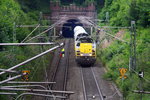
{"x": 67, "y": 29}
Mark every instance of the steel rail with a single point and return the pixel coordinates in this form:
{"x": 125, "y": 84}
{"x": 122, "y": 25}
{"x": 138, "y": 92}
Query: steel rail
{"x": 64, "y": 82}
{"x": 36, "y": 90}
{"x": 96, "y": 84}
{"x": 24, "y": 44}
{"x": 67, "y": 66}
{"x": 46, "y": 75}
{"x": 35, "y": 57}
{"x": 36, "y": 94}
{"x": 83, "y": 84}
{"x": 56, "y": 69}
{"x": 99, "y": 90}
{"x": 54, "y": 75}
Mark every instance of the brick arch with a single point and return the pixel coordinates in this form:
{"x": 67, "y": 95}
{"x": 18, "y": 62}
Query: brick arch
{"x": 58, "y": 11}
{"x": 70, "y": 12}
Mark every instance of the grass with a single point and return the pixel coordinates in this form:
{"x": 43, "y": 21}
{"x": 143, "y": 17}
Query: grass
{"x": 117, "y": 55}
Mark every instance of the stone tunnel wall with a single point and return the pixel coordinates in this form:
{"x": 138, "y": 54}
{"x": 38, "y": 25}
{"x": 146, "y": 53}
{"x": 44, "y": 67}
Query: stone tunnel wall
{"x": 71, "y": 12}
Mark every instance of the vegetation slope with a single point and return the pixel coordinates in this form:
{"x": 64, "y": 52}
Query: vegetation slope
{"x": 21, "y": 12}
{"x": 116, "y": 55}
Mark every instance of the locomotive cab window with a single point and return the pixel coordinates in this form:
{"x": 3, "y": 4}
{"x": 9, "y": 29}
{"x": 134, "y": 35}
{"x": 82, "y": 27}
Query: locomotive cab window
{"x": 86, "y": 40}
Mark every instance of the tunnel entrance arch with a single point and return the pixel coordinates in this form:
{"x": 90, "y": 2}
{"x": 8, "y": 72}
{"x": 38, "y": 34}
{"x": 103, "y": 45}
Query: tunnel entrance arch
{"x": 72, "y": 12}
{"x": 67, "y": 29}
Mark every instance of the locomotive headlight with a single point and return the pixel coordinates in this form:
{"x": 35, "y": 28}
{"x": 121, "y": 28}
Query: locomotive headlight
{"x": 81, "y": 54}
{"x": 90, "y": 54}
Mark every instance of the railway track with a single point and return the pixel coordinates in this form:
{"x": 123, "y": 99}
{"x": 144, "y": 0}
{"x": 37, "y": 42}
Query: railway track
{"x": 67, "y": 64}
{"x": 61, "y": 70}
{"x": 49, "y": 87}
{"x": 91, "y": 88}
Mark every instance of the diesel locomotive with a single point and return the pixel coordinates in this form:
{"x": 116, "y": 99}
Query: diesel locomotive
{"x": 85, "y": 47}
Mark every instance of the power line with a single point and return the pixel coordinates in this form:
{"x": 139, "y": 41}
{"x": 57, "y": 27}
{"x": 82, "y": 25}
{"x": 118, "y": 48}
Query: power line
{"x": 28, "y": 60}
{"x": 31, "y": 33}
{"x": 52, "y": 26}
{"x": 117, "y": 38}
{"x": 37, "y": 94}
{"x": 25, "y": 44}
{"x": 35, "y": 90}
{"x": 19, "y": 82}
{"x": 12, "y": 78}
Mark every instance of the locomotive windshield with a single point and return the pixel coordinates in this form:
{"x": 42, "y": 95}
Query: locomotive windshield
{"x": 86, "y": 40}
{"x": 81, "y": 35}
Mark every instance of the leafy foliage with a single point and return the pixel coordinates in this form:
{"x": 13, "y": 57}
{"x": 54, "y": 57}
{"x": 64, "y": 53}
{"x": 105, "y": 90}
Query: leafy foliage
{"x": 115, "y": 56}
{"x": 122, "y": 12}
{"x": 20, "y": 12}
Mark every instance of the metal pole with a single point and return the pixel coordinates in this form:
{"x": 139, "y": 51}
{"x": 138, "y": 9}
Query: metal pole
{"x": 40, "y": 22}
{"x": 137, "y": 91}
{"x": 25, "y": 86}
{"x": 115, "y": 27}
{"x": 35, "y": 90}
{"x": 17, "y": 82}
{"x": 91, "y": 30}
{"x": 14, "y": 32}
{"x": 32, "y": 26}
{"x": 107, "y": 17}
{"x": 24, "y": 44}
{"x": 54, "y": 31}
{"x": 7, "y": 93}
{"x": 12, "y": 78}
{"x": 40, "y": 18}
{"x": 14, "y": 40}
{"x": 133, "y": 46}
{"x": 37, "y": 56}
{"x": 10, "y": 71}
{"x": 141, "y": 89}
{"x": 36, "y": 94}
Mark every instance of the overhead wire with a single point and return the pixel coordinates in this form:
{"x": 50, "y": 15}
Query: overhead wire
{"x": 124, "y": 42}
{"x": 97, "y": 27}
{"x": 116, "y": 37}
{"x": 31, "y": 33}
{"x": 52, "y": 26}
